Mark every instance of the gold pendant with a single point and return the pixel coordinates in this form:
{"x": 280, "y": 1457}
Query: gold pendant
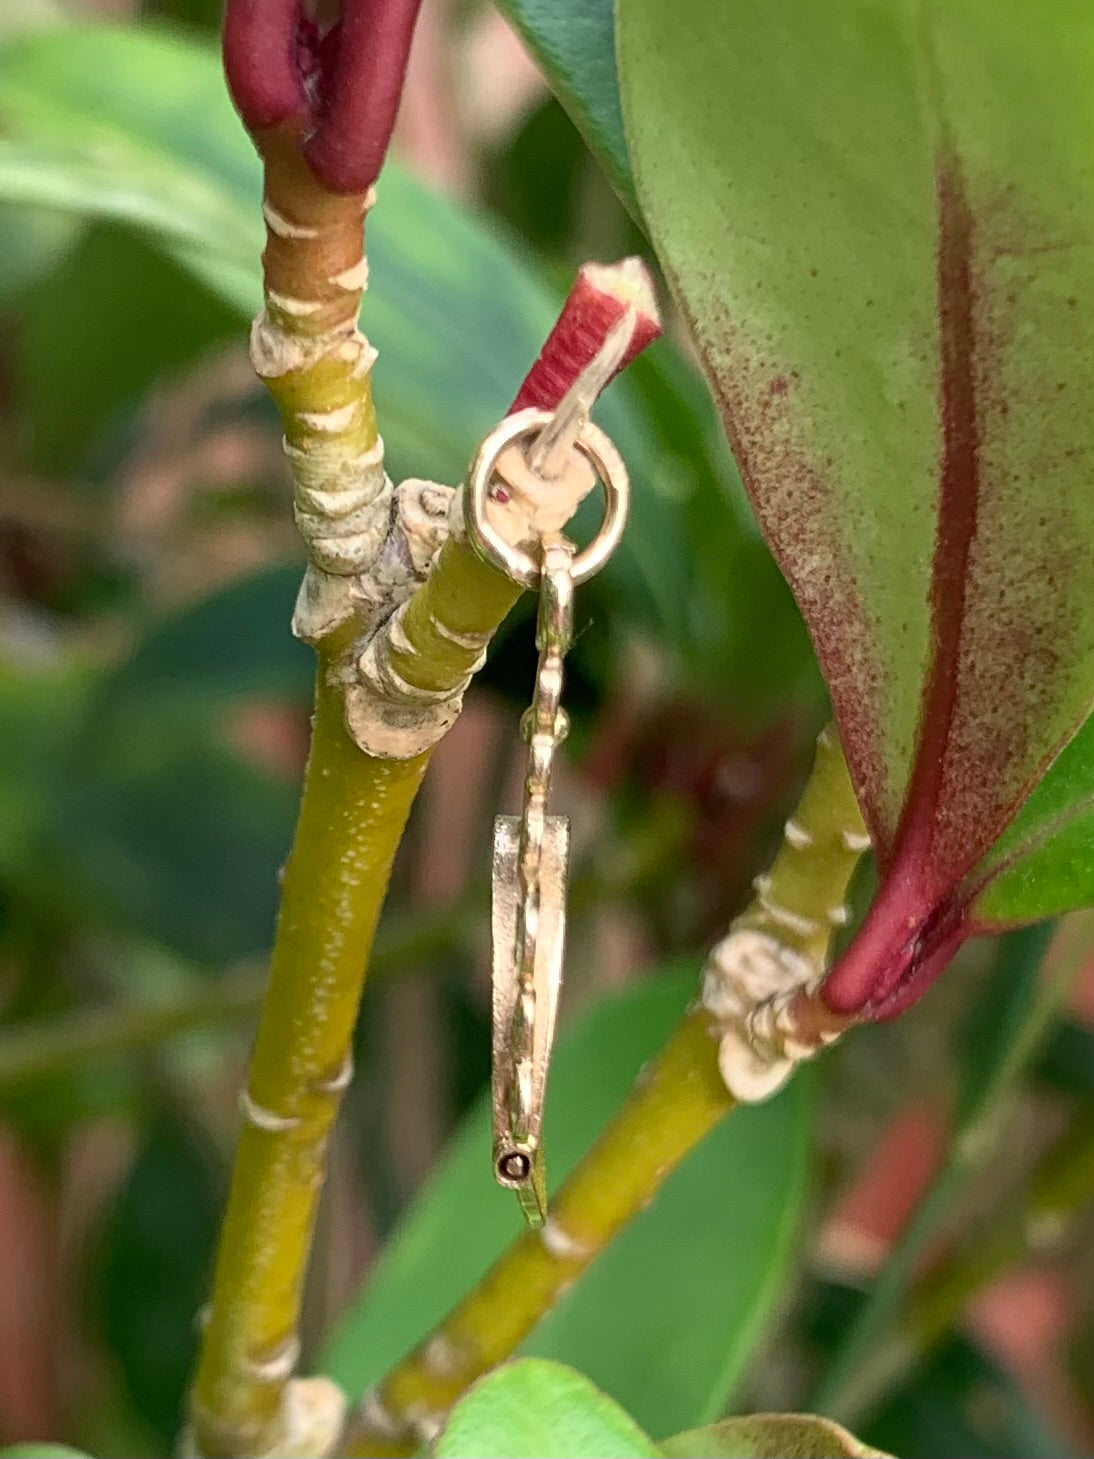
{"x": 531, "y": 851}
{"x": 520, "y": 1056}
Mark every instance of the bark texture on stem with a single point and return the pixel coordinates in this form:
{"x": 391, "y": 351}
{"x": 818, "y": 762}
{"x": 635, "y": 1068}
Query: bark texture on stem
{"x": 319, "y": 105}
{"x": 307, "y": 348}
{"x": 406, "y": 686}
{"x": 676, "y": 1100}
{"x": 762, "y": 980}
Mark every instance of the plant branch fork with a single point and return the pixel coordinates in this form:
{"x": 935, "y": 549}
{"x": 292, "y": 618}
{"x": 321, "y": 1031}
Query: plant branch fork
{"x": 400, "y": 609}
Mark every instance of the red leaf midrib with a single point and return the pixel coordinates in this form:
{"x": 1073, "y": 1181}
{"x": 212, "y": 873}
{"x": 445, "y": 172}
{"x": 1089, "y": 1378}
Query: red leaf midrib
{"x": 958, "y": 502}
{"x": 888, "y": 953}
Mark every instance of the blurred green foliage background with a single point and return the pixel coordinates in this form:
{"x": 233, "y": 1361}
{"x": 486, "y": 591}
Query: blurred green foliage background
{"x": 153, "y": 722}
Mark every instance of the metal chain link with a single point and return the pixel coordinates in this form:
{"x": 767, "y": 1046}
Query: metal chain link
{"x": 545, "y": 726}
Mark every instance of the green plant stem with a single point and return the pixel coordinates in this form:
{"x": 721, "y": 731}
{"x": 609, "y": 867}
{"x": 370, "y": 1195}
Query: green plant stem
{"x": 464, "y": 596}
{"x": 973, "y": 1141}
{"x": 675, "y": 1102}
{"x": 679, "y": 1099}
{"x": 352, "y": 814}
{"x": 353, "y": 810}
{"x": 1061, "y": 1186}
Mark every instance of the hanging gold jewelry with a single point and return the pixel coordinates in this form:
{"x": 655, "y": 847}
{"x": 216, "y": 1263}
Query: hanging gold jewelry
{"x": 531, "y": 851}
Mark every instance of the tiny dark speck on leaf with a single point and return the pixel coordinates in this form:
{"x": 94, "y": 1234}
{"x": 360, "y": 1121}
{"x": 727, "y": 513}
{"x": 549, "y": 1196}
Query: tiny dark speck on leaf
{"x": 1071, "y": 303}
{"x": 812, "y": 273}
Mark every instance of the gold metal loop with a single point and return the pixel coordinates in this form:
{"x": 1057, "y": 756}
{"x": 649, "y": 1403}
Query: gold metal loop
{"x": 524, "y": 568}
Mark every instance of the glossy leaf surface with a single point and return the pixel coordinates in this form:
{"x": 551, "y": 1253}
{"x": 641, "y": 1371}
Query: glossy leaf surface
{"x": 574, "y": 42}
{"x": 879, "y": 224}
{"x": 532, "y": 1408}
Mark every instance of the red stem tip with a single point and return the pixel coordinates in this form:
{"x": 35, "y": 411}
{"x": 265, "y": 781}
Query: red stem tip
{"x": 340, "y": 87}
{"x": 601, "y": 295}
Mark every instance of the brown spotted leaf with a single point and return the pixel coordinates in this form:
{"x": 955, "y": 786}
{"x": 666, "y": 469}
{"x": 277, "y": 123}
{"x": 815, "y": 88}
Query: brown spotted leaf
{"x": 879, "y": 221}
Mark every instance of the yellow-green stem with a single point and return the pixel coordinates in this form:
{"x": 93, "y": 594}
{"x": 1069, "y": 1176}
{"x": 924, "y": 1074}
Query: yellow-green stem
{"x": 675, "y": 1102}
{"x": 353, "y": 810}
{"x": 800, "y": 901}
{"x": 679, "y": 1099}
{"x": 469, "y": 598}
{"x": 352, "y": 815}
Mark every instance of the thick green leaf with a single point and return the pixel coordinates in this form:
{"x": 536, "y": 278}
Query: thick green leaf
{"x": 757, "y": 639}
{"x": 878, "y": 220}
{"x": 1043, "y": 864}
{"x": 136, "y": 126}
{"x": 124, "y": 794}
{"x": 177, "y": 841}
{"x": 770, "y": 1436}
{"x": 666, "y": 1319}
{"x": 532, "y": 1408}
{"x": 574, "y": 42}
